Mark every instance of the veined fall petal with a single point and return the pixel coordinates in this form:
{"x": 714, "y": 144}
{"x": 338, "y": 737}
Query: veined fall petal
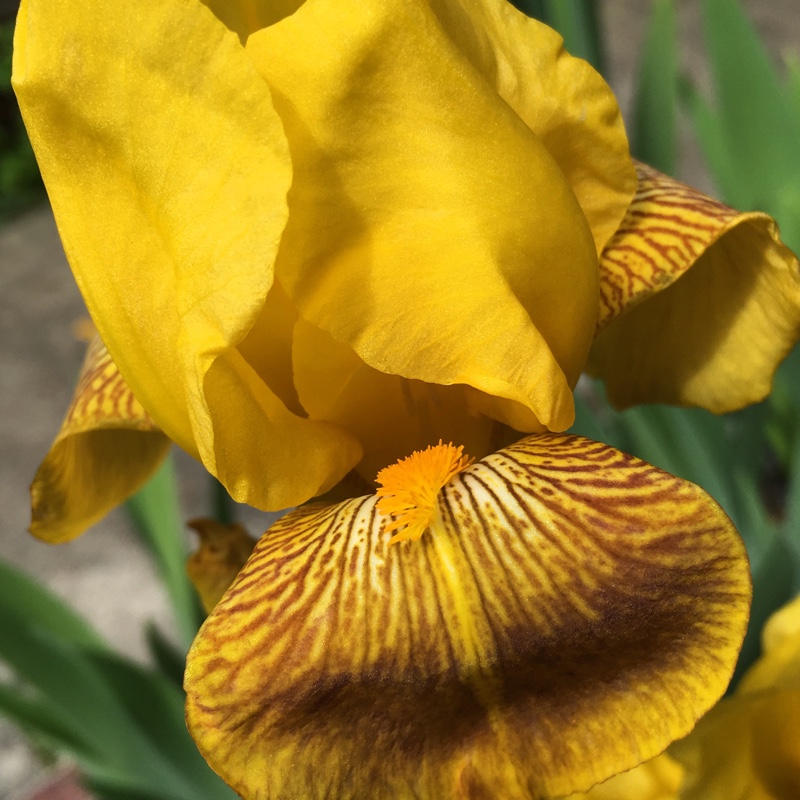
{"x": 699, "y": 303}
{"x": 107, "y": 448}
{"x": 570, "y": 612}
{"x": 167, "y": 167}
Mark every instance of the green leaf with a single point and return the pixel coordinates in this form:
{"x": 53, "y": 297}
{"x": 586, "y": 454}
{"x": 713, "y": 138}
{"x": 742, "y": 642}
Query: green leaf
{"x": 70, "y": 683}
{"x": 22, "y": 595}
{"x": 169, "y": 660}
{"x": 654, "y": 135}
{"x": 42, "y": 722}
{"x": 224, "y": 507}
{"x": 157, "y": 706}
{"x": 714, "y": 143}
{"x": 156, "y": 514}
{"x": 761, "y": 128}
{"x": 578, "y": 22}
{"x": 791, "y": 523}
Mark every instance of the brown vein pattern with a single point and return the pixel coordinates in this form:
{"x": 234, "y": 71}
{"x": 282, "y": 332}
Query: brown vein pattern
{"x": 107, "y": 447}
{"x": 667, "y": 227}
{"x": 571, "y": 611}
{"x": 102, "y": 397}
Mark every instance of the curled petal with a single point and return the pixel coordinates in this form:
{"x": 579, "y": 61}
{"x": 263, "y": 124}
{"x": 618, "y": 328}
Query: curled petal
{"x": 779, "y": 666}
{"x": 436, "y": 249}
{"x": 747, "y": 748}
{"x": 571, "y": 611}
{"x": 698, "y": 303}
{"x": 106, "y": 449}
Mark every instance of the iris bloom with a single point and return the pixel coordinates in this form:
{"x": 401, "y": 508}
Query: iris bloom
{"x": 317, "y": 237}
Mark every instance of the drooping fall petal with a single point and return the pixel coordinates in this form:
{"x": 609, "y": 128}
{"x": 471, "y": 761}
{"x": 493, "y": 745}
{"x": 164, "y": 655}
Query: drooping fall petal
{"x": 223, "y": 551}
{"x": 698, "y": 303}
{"x": 168, "y": 168}
{"x": 424, "y": 241}
{"x": 108, "y": 446}
{"x": 570, "y": 612}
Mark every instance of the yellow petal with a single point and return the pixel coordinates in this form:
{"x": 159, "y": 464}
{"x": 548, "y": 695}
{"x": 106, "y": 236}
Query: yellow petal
{"x": 387, "y": 414}
{"x": 747, "y": 748}
{"x": 562, "y": 99}
{"x": 570, "y": 612}
{"x": 437, "y": 247}
{"x": 168, "y": 168}
{"x": 713, "y": 338}
{"x": 779, "y": 665}
{"x": 223, "y": 551}
{"x": 106, "y": 449}
{"x": 657, "y": 779}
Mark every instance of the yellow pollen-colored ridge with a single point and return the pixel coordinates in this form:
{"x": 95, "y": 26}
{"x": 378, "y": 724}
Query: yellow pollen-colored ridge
{"x": 409, "y": 488}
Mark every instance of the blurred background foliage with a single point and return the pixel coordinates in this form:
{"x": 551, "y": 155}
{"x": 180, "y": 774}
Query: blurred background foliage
{"x": 74, "y": 696}
{"x": 20, "y": 183}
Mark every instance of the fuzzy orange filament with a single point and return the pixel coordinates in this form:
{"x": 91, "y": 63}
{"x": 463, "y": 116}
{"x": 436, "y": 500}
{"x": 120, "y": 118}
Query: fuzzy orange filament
{"x": 410, "y": 487}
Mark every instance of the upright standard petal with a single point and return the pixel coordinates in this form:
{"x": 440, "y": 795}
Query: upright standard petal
{"x": 429, "y": 229}
{"x": 560, "y": 98}
{"x": 244, "y": 17}
{"x": 108, "y": 446}
{"x": 570, "y": 611}
{"x": 698, "y": 303}
{"x": 167, "y": 167}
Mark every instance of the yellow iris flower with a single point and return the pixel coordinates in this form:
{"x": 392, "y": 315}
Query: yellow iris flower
{"x": 315, "y": 237}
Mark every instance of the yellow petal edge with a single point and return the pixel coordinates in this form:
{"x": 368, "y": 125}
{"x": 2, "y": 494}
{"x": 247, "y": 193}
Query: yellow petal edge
{"x": 699, "y": 303}
{"x": 572, "y": 611}
{"x": 106, "y": 449}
